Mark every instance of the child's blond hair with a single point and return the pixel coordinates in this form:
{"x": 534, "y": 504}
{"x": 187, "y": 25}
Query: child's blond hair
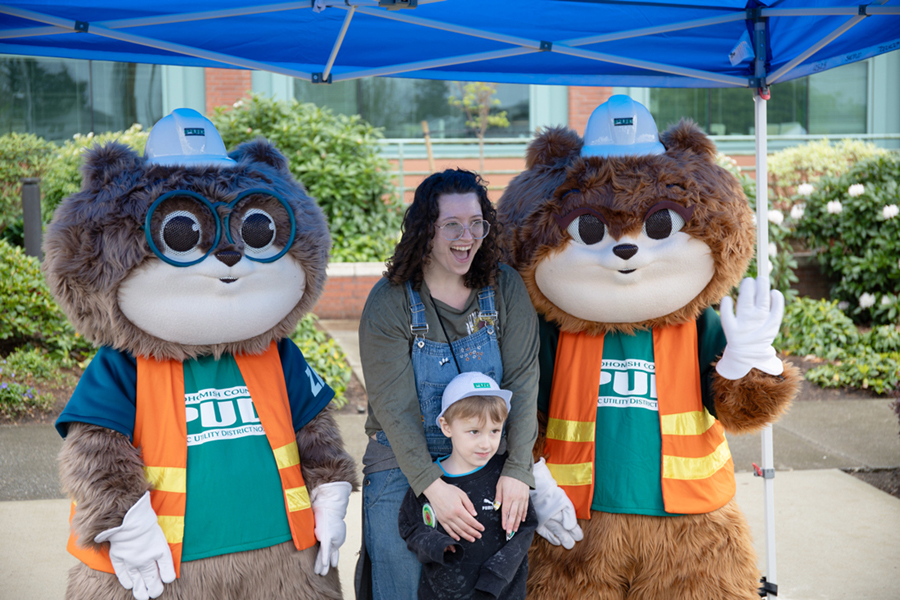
{"x": 480, "y": 407}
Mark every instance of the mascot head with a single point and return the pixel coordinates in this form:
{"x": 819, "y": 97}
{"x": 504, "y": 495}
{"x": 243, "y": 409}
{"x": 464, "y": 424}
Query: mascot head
{"x": 625, "y": 229}
{"x": 187, "y": 251}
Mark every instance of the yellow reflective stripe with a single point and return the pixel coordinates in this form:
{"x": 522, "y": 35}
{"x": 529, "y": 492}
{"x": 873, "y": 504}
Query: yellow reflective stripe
{"x": 173, "y": 528}
{"x": 571, "y": 431}
{"x": 167, "y": 479}
{"x": 577, "y": 474}
{"x": 678, "y": 467}
{"x": 689, "y": 423}
{"x": 287, "y": 456}
{"x": 297, "y": 499}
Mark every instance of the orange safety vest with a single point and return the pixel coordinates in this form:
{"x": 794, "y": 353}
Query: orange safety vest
{"x": 160, "y": 431}
{"x": 697, "y": 469}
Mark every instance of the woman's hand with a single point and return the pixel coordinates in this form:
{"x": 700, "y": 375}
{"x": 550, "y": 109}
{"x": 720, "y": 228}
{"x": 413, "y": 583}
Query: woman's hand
{"x": 454, "y": 511}
{"x": 512, "y": 495}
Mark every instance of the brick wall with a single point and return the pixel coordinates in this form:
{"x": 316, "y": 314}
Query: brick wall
{"x": 582, "y": 102}
{"x": 224, "y": 87}
{"x": 346, "y": 290}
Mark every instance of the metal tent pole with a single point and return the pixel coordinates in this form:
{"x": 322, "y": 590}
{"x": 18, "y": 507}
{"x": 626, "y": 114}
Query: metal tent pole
{"x": 760, "y": 97}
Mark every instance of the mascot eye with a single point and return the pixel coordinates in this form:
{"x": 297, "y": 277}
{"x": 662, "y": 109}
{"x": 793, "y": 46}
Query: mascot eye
{"x": 587, "y": 229}
{"x": 662, "y": 224}
{"x": 180, "y": 232}
{"x": 258, "y": 229}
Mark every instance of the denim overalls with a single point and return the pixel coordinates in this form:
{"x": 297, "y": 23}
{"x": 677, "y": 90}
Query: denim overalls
{"x": 394, "y": 569}
{"x": 434, "y": 366}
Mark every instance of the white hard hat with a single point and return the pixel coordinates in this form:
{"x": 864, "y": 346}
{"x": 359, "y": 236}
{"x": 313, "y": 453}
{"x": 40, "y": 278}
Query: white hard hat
{"x": 470, "y": 383}
{"x": 621, "y": 127}
{"x": 186, "y": 138}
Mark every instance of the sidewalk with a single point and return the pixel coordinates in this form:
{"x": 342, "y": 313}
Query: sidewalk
{"x": 836, "y": 537}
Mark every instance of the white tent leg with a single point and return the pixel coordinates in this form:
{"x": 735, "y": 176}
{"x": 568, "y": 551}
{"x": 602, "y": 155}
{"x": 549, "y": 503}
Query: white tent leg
{"x": 762, "y": 266}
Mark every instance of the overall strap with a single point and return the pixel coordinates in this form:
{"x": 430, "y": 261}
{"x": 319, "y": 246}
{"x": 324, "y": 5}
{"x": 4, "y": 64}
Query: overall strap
{"x": 419, "y": 326}
{"x": 486, "y": 309}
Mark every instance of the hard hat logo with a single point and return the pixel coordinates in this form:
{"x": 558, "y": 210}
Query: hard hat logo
{"x": 621, "y": 127}
{"x": 186, "y": 138}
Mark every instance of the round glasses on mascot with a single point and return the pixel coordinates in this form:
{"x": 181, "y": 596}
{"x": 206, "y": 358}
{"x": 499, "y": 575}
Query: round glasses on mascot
{"x": 183, "y": 228}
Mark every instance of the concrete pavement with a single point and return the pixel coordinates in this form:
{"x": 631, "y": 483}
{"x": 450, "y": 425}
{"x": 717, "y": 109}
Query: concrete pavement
{"x": 836, "y": 536}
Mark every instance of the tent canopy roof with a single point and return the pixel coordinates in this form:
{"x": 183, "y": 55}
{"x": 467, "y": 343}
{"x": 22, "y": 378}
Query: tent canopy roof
{"x": 567, "y": 42}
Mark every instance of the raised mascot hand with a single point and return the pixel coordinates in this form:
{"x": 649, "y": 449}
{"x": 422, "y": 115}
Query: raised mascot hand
{"x": 751, "y": 331}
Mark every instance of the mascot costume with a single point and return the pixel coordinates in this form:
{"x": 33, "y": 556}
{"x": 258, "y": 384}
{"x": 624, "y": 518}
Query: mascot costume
{"x": 625, "y": 241}
{"x": 199, "y": 450}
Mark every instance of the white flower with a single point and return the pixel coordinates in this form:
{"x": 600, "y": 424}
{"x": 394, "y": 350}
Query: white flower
{"x": 890, "y": 211}
{"x": 773, "y": 249}
{"x": 805, "y": 189}
{"x": 886, "y": 300}
{"x": 771, "y": 266}
{"x": 797, "y": 211}
{"x": 843, "y": 305}
{"x": 834, "y": 207}
{"x": 238, "y": 104}
{"x": 776, "y": 217}
{"x": 866, "y": 300}
{"x": 856, "y": 190}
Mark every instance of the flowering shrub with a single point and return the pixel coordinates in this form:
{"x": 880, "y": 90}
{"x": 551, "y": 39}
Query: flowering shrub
{"x": 852, "y": 220}
{"x": 791, "y": 168}
{"x": 20, "y": 373}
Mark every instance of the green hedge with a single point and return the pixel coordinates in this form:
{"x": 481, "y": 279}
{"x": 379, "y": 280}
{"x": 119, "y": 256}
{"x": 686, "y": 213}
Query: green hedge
{"x": 21, "y": 155}
{"x": 31, "y": 317}
{"x": 868, "y": 360}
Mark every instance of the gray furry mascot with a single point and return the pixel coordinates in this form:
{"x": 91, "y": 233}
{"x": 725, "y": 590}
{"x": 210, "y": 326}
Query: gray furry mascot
{"x": 199, "y": 450}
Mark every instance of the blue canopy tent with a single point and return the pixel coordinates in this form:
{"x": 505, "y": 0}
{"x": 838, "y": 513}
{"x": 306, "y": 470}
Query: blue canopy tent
{"x": 640, "y": 43}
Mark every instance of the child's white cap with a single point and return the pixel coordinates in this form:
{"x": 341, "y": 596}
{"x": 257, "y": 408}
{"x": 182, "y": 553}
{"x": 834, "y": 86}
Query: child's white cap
{"x": 469, "y": 384}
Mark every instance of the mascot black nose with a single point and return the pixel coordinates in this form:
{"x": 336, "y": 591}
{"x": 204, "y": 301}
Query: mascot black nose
{"x": 231, "y": 257}
{"x": 623, "y": 251}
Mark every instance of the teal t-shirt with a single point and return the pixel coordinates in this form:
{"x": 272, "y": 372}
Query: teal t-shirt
{"x": 628, "y": 442}
{"x": 227, "y": 450}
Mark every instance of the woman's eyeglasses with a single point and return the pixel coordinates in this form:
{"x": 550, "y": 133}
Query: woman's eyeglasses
{"x": 454, "y": 230}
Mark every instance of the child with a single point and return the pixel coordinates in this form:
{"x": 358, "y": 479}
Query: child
{"x": 474, "y": 409}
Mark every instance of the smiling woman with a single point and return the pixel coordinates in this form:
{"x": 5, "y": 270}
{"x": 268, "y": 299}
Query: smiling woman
{"x": 445, "y": 306}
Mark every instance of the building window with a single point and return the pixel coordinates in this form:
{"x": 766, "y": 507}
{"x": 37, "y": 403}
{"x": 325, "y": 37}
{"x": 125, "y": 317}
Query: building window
{"x": 400, "y": 105}
{"x": 57, "y": 98}
{"x": 827, "y": 103}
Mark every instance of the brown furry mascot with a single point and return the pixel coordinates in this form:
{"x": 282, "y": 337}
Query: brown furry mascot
{"x": 200, "y": 453}
{"x": 625, "y": 241}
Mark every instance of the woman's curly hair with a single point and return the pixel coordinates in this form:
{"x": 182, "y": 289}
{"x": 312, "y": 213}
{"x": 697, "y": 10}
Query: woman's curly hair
{"x": 414, "y": 249}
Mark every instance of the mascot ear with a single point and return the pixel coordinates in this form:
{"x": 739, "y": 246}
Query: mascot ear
{"x": 686, "y": 136}
{"x": 101, "y": 163}
{"x": 260, "y": 151}
{"x": 552, "y": 145}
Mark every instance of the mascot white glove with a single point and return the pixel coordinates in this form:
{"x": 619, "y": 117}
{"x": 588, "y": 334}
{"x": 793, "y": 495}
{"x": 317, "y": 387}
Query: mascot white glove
{"x": 555, "y": 512}
{"x": 751, "y": 331}
{"x": 139, "y": 552}
{"x": 329, "y": 505}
